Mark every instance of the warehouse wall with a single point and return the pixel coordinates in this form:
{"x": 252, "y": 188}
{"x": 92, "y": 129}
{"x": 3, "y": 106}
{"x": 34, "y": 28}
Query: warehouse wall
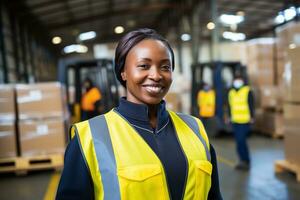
{"x": 24, "y": 57}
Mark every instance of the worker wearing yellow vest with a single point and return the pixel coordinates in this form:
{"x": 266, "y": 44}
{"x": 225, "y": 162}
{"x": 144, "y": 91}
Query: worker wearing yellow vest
{"x": 206, "y": 99}
{"x": 140, "y": 150}
{"x": 241, "y": 112}
{"x": 91, "y": 104}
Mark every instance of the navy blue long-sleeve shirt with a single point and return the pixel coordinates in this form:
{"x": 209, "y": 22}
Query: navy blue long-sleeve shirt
{"x": 76, "y": 182}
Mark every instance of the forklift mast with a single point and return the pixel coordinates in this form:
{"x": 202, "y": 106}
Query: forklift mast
{"x": 72, "y": 73}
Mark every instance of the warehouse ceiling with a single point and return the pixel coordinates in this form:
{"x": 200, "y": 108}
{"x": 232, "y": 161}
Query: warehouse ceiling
{"x": 68, "y": 18}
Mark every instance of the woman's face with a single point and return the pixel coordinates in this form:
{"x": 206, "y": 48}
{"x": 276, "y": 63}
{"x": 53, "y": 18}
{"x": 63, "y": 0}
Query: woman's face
{"x": 147, "y": 72}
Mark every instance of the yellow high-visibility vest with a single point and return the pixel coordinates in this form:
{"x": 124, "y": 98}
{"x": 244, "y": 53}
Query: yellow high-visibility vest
{"x": 123, "y": 166}
{"x": 239, "y": 107}
{"x": 206, "y": 103}
{"x": 89, "y": 99}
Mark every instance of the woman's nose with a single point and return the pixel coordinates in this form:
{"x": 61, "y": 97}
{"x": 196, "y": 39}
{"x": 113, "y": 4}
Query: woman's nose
{"x": 154, "y": 74}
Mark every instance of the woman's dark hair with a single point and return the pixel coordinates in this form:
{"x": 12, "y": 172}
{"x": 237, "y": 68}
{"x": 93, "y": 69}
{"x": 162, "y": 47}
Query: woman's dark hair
{"x": 128, "y": 41}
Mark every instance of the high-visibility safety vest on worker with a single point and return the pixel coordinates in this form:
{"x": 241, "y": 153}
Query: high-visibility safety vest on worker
{"x": 239, "y": 106}
{"x": 89, "y": 99}
{"x": 123, "y": 166}
{"x": 206, "y": 103}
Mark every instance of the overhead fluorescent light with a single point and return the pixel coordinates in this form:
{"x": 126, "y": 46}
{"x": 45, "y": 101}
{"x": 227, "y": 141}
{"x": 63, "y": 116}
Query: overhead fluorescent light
{"x": 289, "y": 13}
{"x": 119, "y": 29}
{"x": 286, "y": 15}
{"x": 185, "y": 37}
{"x": 78, "y": 48}
{"x": 279, "y": 19}
{"x": 56, "y": 40}
{"x": 234, "y": 36}
{"x": 231, "y": 19}
{"x": 87, "y": 35}
{"x": 210, "y": 25}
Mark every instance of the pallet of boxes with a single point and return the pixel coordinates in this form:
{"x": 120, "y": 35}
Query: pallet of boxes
{"x": 291, "y": 110}
{"x": 263, "y": 80}
{"x": 41, "y": 128}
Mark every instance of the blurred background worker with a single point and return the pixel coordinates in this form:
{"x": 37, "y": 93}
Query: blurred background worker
{"x": 241, "y": 112}
{"x": 206, "y": 100}
{"x": 91, "y": 100}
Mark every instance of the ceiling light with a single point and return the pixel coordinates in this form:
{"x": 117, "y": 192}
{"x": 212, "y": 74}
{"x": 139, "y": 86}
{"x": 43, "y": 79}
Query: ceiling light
{"x": 87, "y": 35}
{"x": 119, "y": 29}
{"x": 279, "y": 19}
{"x": 231, "y": 19}
{"x": 56, "y": 40}
{"x": 185, "y": 37}
{"x": 210, "y": 26}
{"x": 234, "y": 36}
{"x": 292, "y": 46}
{"x": 79, "y": 48}
{"x": 289, "y": 13}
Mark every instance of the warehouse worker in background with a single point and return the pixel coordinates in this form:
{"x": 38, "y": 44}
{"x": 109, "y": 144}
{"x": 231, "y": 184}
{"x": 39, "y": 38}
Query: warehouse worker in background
{"x": 241, "y": 112}
{"x": 91, "y": 104}
{"x": 206, "y": 100}
{"x": 141, "y": 150}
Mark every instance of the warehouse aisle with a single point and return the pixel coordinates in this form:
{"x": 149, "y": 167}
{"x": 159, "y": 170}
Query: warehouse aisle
{"x": 260, "y": 183}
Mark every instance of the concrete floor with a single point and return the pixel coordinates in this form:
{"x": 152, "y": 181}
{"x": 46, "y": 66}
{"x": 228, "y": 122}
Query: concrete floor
{"x": 260, "y": 183}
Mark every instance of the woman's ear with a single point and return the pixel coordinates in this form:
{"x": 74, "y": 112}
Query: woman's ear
{"x": 123, "y": 75}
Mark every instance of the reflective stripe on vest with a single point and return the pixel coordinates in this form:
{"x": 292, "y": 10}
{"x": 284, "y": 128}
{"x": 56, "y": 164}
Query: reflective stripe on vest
{"x": 129, "y": 169}
{"x": 239, "y": 107}
{"x": 206, "y": 102}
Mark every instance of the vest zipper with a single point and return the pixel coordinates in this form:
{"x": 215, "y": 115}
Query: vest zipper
{"x": 169, "y": 194}
{"x": 187, "y": 166}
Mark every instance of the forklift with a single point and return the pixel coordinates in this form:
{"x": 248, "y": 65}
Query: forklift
{"x": 73, "y": 72}
{"x": 220, "y": 76}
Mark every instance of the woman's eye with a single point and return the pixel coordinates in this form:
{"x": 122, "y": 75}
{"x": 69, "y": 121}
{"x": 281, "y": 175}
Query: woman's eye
{"x": 166, "y": 67}
{"x": 144, "y": 66}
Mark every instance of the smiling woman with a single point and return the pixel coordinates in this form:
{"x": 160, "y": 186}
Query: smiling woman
{"x": 141, "y": 150}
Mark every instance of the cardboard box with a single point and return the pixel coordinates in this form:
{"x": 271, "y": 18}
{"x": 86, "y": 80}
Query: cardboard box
{"x": 40, "y": 101}
{"x": 173, "y": 101}
{"x": 288, "y": 34}
{"x": 292, "y": 76}
{"x": 291, "y": 111}
{"x": 291, "y": 125}
{"x": 269, "y": 97}
{"x": 41, "y": 137}
{"x": 8, "y": 141}
{"x": 292, "y": 147}
{"x": 273, "y": 123}
{"x": 7, "y": 101}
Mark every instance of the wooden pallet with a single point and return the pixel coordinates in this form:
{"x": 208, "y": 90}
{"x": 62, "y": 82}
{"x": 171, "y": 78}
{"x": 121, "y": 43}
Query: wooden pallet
{"x": 21, "y": 165}
{"x": 284, "y": 165}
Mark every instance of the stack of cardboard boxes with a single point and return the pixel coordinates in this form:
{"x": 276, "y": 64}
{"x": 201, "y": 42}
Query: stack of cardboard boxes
{"x": 262, "y": 77}
{"x": 42, "y": 118}
{"x": 288, "y": 37}
{"x": 292, "y": 106}
{"x": 8, "y": 140}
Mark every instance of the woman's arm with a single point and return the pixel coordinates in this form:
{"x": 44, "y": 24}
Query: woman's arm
{"x": 75, "y": 182}
{"x": 214, "y": 193}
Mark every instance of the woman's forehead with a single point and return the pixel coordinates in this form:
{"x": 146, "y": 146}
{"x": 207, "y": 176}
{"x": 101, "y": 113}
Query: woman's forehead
{"x": 150, "y": 48}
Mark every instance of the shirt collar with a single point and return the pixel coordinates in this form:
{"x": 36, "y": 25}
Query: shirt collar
{"x": 139, "y": 112}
